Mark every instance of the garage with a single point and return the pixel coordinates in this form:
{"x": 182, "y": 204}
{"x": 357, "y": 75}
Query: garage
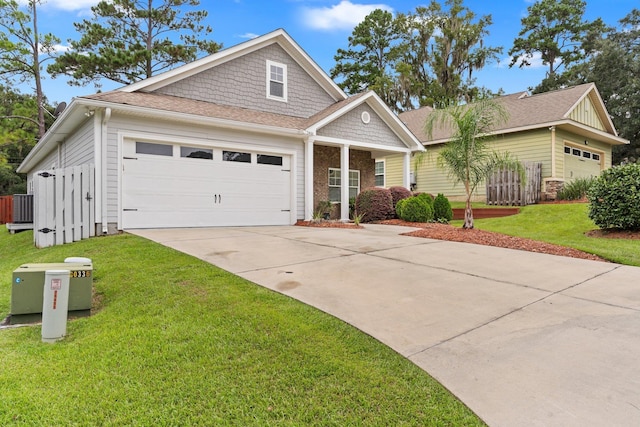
{"x": 581, "y": 163}
{"x": 178, "y": 185}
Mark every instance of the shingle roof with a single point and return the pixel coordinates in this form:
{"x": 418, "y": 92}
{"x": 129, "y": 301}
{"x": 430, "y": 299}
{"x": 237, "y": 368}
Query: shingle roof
{"x": 199, "y": 108}
{"x": 524, "y": 111}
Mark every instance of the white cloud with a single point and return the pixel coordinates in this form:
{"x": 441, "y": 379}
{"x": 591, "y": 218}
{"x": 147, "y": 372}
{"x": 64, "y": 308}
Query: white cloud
{"x": 249, "y": 35}
{"x": 342, "y": 16}
{"x": 535, "y": 61}
{"x": 71, "y": 5}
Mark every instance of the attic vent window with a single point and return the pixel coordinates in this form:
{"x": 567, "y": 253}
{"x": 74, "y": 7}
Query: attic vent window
{"x": 366, "y": 117}
{"x": 276, "y": 81}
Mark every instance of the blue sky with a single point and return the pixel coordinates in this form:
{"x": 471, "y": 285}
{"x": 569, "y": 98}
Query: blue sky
{"x": 321, "y": 27}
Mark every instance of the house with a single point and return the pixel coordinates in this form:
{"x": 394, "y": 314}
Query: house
{"x": 256, "y": 134}
{"x": 569, "y": 131}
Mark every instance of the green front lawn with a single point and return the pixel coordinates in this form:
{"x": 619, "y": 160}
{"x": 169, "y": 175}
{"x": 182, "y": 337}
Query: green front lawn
{"x": 180, "y": 342}
{"x": 566, "y": 225}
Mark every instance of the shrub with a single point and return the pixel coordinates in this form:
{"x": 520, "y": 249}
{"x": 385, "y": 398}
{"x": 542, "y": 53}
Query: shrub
{"x": 615, "y": 198}
{"x": 375, "y": 204}
{"x": 416, "y": 209}
{"x": 399, "y": 207}
{"x": 426, "y": 197}
{"x": 399, "y": 193}
{"x": 576, "y": 189}
{"x": 442, "y": 211}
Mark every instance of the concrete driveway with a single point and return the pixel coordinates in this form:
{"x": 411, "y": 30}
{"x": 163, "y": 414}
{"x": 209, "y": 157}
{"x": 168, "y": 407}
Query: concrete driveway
{"x": 521, "y": 338}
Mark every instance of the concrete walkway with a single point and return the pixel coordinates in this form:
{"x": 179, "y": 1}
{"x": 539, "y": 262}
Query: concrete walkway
{"x": 524, "y": 339}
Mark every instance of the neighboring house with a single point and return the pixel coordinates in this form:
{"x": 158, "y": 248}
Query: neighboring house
{"x": 256, "y": 134}
{"x": 569, "y": 131}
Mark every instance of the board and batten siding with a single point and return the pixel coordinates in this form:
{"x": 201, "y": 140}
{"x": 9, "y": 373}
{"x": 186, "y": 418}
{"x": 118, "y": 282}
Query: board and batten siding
{"x": 431, "y": 178}
{"x": 192, "y": 135}
{"x": 585, "y": 113}
{"x": 351, "y": 127}
{"x": 75, "y": 151}
{"x": 242, "y": 82}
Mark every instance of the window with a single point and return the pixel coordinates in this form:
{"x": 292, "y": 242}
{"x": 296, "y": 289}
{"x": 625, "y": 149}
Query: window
{"x": 265, "y": 159}
{"x": 235, "y": 156}
{"x": 276, "y": 81}
{"x": 595, "y": 156}
{"x": 335, "y": 183}
{"x": 576, "y": 152}
{"x": 154, "y": 149}
{"x": 196, "y": 153}
{"x": 567, "y": 150}
{"x": 379, "y": 172}
{"x": 586, "y": 154}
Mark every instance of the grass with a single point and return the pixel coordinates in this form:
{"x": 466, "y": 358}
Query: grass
{"x": 566, "y": 225}
{"x": 180, "y": 342}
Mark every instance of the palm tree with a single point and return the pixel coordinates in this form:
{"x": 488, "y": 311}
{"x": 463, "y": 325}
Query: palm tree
{"x": 467, "y": 155}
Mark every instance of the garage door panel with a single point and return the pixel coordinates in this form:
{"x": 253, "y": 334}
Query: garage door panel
{"x": 163, "y": 191}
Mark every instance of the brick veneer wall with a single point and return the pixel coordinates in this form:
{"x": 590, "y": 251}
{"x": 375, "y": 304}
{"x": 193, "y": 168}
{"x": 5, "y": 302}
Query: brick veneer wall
{"x": 329, "y": 157}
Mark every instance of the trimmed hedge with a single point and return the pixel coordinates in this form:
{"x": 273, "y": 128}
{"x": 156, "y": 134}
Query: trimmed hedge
{"x": 399, "y": 193}
{"x": 416, "y": 209}
{"x": 375, "y": 204}
{"x": 615, "y": 198}
{"x": 442, "y": 211}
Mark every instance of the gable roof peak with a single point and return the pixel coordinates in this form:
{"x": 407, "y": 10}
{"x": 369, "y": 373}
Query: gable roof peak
{"x": 279, "y": 36}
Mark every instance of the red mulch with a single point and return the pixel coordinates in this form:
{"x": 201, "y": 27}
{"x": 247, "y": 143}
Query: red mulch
{"x": 327, "y": 224}
{"x": 482, "y": 237}
{"x": 488, "y": 238}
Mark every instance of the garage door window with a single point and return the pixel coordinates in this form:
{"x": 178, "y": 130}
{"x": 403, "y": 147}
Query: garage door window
{"x": 154, "y": 149}
{"x": 265, "y": 159}
{"x": 196, "y": 153}
{"x": 236, "y": 156}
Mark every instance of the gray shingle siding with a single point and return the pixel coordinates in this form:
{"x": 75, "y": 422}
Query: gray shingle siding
{"x": 242, "y": 82}
{"x": 350, "y": 126}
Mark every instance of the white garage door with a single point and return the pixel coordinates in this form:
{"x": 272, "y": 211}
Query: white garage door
{"x": 581, "y": 163}
{"x": 173, "y": 185}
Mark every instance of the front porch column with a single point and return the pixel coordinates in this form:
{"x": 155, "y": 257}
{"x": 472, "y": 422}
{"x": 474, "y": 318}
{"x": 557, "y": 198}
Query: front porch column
{"x": 308, "y": 179}
{"x": 344, "y": 183}
{"x": 406, "y": 171}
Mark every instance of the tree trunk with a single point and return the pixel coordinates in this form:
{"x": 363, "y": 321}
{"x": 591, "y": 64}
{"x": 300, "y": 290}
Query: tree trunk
{"x": 468, "y": 215}
{"x": 36, "y": 73}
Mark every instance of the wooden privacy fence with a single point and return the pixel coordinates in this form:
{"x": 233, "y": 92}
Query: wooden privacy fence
{"x": 505, "y": 187}
{"x": 6, "y": 209}
{"x": 64, "y": 205}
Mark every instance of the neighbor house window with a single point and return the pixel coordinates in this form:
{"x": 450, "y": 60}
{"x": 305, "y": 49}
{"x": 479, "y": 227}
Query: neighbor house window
{"x": 276, "y": 81}
{"x": 335, "y": 184}
{"x": 379, "y": 172}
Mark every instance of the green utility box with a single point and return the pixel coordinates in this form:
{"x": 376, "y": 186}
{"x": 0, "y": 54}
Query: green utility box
{"x": 28, "y": 286}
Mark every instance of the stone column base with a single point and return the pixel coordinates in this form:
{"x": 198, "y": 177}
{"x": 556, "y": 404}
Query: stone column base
{"x": 551, "y": 188}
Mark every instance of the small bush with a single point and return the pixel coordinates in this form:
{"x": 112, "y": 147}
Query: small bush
{"x": 416, "y": 209}
{"x": 615, "y": 198}
{"x": 576, "y": 189}
{"x": 399, "y": 207}
{"x": 399, "y": 193}
{"x": 442, "y": 211}
{"x": 375, "y": 204}
{"x": 426, "y": 197}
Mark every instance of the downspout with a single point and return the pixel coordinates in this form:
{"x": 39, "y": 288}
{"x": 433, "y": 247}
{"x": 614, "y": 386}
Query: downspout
{"x": 103, "y": 147}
